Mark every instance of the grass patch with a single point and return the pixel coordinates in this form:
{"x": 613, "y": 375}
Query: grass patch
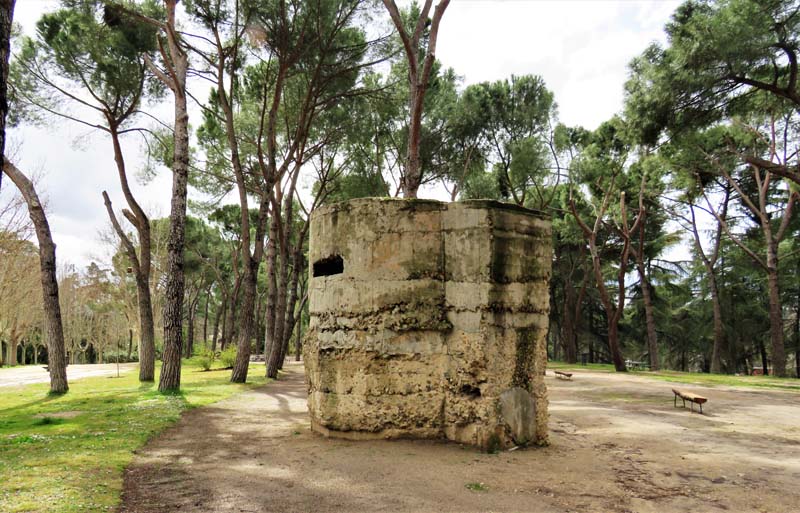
{"x": 476, "y": 487}
{"x": 596, "y": 367}
{"x": 47, "y": 421}
{"x": 692, "y": 378}
{"x": 696, "y": 378}
{"x": 55, "y": 461}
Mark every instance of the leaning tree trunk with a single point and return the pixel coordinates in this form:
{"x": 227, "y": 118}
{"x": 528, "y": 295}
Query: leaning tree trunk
{"x": 54, "y": 331}
{"x": 613, "y": 344}
{"x": 612, "y": 314}
{"x": 140, "y": 262}
{"x": 170, "y": 378}
{"x": 246, "y": 320}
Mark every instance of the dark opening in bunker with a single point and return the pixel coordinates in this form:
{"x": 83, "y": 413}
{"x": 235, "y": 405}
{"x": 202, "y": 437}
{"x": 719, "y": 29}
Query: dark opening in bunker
{"x": 329, "y": 266}
{"x": 470, "y": 390}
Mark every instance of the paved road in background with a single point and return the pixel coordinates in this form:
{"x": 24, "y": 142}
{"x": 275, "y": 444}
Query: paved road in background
{"x": 26, "y": 375}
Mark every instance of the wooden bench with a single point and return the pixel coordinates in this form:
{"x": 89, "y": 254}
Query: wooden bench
{"x": 564, "y": 375}
{"x": 688, "y": 396}
{"x": 634, "y": 365}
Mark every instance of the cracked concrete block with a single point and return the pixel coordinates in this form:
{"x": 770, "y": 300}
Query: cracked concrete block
{"x": 428, "y": 320}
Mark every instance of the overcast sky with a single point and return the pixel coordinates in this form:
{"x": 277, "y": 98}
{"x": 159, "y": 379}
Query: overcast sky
{"x": 580, "y": 48}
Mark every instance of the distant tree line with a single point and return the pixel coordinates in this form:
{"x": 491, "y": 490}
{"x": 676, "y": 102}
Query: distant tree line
{"x": 673, "y": 222}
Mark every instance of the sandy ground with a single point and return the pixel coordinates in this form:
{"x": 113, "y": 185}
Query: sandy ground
{"x": 617, "y": 444}
{"x": 25, "y": 375}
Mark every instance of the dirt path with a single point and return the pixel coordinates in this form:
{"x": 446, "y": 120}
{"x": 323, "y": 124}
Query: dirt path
{"x": 28, "y": 374}
{"x": 617, "y": 445}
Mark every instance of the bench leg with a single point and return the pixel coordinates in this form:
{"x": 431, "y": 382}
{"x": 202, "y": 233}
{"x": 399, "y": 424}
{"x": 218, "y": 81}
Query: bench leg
{"x": 701, "y": 408}
{"x": 675, "y": 402}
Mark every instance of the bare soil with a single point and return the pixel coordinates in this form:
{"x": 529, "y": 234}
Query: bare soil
{"x": 617, "y": 444}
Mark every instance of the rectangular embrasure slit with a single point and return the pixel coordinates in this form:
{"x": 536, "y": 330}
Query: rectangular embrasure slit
{"x": 329, "y": 266}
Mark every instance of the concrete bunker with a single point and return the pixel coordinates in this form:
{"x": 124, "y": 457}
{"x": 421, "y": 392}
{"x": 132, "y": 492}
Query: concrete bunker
{"x": 428, "y": 320}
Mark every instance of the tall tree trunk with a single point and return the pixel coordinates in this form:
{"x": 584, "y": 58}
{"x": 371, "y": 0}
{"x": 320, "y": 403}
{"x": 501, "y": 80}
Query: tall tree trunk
{"x": 205, "y": 319}
{"x": 298, "y": 341}
{"x": 613, "y": 345}
{"x": 6, "y": 23}
{"x": 796, "y": 331}
{"x": 568, "y": 326}
{"x": 285, "y": 314}
{"x": 221, "y": 312}
{"x": 141, "y": 270}
{"x": 278, "y": 348}
{"x": 612, "y": 313}
{"x": 170, "y": 378}
{"x": 230, "y": 316}
{"x": 53, "y": 328}
{"x": 130, "y": 343}
{"x": 147, "y": 342}
{"x": 12, "y": 350}
{"x": 270, "y": 343}
{"x": 246, "y": 317}
{"x": 652, "y": 337}
{"x": 719, "y": 330}
{"x": 141, "y": 262}
{"x": 190, "y": 318}
{"x": 764, "y": 360}
{"x": 775, "y": 312}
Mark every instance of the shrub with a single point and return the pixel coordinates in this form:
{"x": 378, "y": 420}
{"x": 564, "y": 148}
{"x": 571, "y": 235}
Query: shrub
{"x": 228, "y": 357}
{"x": 205, "y": 360}
{"x": 46, "y": 421}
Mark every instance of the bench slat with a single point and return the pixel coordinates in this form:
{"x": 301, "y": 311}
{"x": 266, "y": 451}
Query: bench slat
{"x": 699, "y": 399}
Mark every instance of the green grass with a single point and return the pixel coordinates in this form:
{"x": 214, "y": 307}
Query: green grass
{"x": 696, "y": 378}
{"x": 597, "y": 367}
{"x": 476, "y": 487}
{"x": 693, "y": 378}
{"x": 66, "y": 453}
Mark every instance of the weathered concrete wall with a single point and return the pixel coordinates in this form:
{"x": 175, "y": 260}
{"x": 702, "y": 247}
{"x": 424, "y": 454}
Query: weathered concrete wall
{"x": 429, "y": 319}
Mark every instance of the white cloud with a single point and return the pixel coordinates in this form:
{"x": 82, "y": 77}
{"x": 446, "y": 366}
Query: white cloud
{"x": 580, "y": 48}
